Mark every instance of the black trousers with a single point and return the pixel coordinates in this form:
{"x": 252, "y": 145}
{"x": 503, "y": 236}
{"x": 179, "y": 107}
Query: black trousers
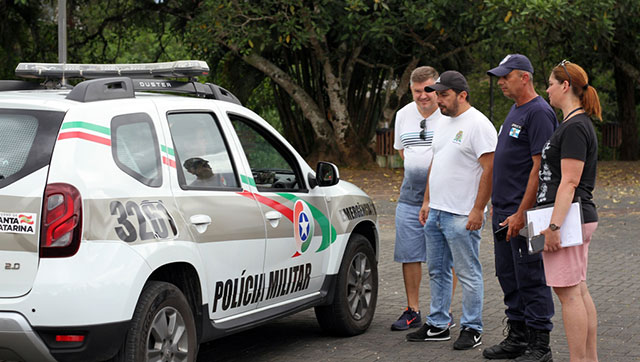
{"x": 521, "y": 276}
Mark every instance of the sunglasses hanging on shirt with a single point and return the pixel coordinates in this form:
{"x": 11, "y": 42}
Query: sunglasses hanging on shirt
{"x": 423, "y": 133}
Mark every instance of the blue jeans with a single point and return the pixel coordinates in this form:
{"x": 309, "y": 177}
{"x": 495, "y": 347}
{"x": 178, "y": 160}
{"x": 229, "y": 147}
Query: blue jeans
{"x": 449, "y": 244}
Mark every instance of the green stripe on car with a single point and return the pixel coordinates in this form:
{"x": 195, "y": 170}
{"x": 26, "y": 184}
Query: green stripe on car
{"x": 247, "y": 180}
{"x": 89, "y": 126}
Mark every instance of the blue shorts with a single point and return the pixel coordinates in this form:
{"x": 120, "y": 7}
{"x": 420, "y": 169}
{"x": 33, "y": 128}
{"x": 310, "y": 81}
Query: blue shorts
{"x": 411, "y": 244}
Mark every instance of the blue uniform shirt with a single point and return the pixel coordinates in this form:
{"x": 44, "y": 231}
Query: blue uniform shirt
{"x": 522, "y": 135}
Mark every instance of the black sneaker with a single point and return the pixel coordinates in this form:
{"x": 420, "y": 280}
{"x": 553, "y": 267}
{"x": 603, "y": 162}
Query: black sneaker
{"x": 408, "y": 319}
{"x": 469, "y": 338}
{"x": 429, "y": 333}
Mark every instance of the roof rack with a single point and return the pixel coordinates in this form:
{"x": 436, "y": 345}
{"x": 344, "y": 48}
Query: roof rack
{"x": 102, "y": 89}
{"x": 205, "y": 90}
{"x": 116, "y": 81}
{"x": 177, "y": 69}
{"x": 124, "y": 87}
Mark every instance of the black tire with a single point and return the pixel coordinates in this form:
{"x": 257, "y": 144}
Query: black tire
{"x": 161, "y": 315}
{"x": 356, "y": 291}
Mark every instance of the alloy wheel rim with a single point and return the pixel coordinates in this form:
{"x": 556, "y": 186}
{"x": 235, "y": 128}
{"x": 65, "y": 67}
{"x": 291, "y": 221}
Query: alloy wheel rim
{"x": 168, "y": 340}
{"x": 359, "y": 286}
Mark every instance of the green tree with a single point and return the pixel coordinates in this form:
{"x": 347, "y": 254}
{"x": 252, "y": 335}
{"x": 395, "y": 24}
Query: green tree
{"x": 623, "y": 47}
{"x": 28, "y": 34}
{"x": 345, "y": 65}
{"x": 599, "y": 35}
{"x": 127, "y": 31}
{"x": 328, "y": 73}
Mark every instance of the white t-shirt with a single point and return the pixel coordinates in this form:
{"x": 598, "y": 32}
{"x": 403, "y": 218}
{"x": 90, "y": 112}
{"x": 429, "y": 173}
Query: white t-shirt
{"x": 417, "y": 152}
{"x": 455, "y": 172}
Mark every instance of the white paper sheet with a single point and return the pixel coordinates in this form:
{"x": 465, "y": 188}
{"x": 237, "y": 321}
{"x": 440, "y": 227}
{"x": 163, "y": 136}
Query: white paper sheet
{"x": 571, "y": 229}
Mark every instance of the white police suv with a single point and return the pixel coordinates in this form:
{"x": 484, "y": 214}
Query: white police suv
{"x": 136, "y": 224}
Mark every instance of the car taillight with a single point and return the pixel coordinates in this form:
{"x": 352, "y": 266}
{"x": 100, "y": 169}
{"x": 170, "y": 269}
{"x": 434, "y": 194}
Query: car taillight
{"x": 61, "y": 221}
{"x": 69, "y": 338}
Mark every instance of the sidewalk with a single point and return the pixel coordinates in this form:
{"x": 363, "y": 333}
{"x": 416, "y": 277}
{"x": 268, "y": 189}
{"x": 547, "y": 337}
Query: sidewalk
{"x": 613, "y": 279}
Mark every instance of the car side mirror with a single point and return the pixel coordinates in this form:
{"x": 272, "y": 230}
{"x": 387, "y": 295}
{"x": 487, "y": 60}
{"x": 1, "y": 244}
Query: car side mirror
{"x": 326, "y": 175}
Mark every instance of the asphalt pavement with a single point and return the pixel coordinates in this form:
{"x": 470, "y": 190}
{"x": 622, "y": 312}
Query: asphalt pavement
{"x": 613, "y": 279}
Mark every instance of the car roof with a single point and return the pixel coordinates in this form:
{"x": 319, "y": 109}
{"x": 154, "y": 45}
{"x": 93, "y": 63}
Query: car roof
{"x": 55, "y": 99}
{"x": 52, "y": 100}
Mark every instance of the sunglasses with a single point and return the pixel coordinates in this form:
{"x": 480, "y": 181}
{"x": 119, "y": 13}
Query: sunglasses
{"x": 423, "y": 133}
{"x": 562, "y": 63}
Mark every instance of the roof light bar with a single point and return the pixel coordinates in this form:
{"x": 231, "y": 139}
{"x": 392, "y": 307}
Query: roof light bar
{"x": 177, "y": 69}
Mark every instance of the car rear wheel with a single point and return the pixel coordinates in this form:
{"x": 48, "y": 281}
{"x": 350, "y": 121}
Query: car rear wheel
{"x": 356, "y": 293}
{"x": 162, "y": 328}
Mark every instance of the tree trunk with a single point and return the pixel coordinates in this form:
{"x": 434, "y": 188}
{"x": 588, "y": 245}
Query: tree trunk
{"x": 338, "y": 143}
{"x": 392, "y": 99}
{"x": 349, "y": 144}
{"x": 625, "y": 91}
{"x": 325, "y": 139}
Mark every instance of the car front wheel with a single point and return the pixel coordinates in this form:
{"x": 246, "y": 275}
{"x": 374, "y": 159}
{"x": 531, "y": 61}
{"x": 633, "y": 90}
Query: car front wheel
{"x": 356, "y": 294}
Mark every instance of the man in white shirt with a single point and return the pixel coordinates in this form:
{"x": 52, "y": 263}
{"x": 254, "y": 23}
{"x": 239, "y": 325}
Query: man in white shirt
{"x": 457, "y": 193}
{"x": 414, "y": 130}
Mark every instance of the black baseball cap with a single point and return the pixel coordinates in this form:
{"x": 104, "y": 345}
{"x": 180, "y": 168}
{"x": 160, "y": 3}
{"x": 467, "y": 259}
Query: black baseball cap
{"x": 450, "y": 79}
{"x": 511, "y": 62}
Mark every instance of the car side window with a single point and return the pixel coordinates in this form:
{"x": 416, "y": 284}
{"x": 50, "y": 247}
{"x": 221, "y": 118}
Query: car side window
{"x": 273, "y": 167}
{"x": 203, "y": 159}
{"x": 135, "y": 148}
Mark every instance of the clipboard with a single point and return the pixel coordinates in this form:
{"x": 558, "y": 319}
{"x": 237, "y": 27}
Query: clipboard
{"x": 539, "y": 218}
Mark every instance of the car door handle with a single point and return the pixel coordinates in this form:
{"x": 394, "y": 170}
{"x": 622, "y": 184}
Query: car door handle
{"x": 201, "y": 222}
{"x": 273, "y": 217}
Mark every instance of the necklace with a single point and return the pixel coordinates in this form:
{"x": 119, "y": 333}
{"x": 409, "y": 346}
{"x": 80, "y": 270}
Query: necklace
{"x": 570, "y": 113}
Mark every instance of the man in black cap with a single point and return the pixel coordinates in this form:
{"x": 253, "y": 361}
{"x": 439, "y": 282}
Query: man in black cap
{"x": 203, "y": 172}
{"x": 458, "y": 189}
{"x": 529, "y": 124}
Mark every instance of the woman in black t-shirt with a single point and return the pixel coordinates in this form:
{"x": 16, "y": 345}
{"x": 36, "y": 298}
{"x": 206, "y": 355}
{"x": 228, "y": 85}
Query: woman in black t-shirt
{"x": 568, "y": 170}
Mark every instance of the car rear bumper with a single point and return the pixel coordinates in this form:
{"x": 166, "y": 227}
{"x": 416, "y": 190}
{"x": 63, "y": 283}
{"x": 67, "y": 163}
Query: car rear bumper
{"x": 18, "y": 340}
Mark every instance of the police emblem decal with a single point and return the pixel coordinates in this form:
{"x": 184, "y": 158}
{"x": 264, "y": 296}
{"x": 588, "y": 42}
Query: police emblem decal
{"x": 303, "y": 226}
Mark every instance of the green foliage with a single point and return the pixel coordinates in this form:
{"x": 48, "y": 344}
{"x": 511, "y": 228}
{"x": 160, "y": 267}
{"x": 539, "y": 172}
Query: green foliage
{"x": 368, "y": 45}
{"x": 261, "y": 102}
{"x": 124, "y": 31}
{"x": 351, "y": 48}
{"x": 28, "y": 34}
{"x": 597, "y": 34}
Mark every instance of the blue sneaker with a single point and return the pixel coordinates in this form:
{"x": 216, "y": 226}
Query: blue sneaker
{"x": 408, "y": 319}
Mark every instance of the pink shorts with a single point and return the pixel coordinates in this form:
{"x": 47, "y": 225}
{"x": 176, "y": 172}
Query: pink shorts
{"x": 568, "y": 266}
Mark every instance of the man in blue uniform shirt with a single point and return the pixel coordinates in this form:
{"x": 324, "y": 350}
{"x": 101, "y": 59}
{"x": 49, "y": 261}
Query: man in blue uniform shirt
{"x": 529, "y": 124}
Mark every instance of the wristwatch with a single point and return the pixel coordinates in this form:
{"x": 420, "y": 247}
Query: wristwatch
{"x": 554, "y": 227}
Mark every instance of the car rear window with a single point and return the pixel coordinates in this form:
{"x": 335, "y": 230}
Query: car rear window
{"x": 26, "y": 142}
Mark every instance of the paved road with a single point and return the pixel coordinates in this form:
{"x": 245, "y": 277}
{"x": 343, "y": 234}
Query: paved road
{"x": 613, "y": 278}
